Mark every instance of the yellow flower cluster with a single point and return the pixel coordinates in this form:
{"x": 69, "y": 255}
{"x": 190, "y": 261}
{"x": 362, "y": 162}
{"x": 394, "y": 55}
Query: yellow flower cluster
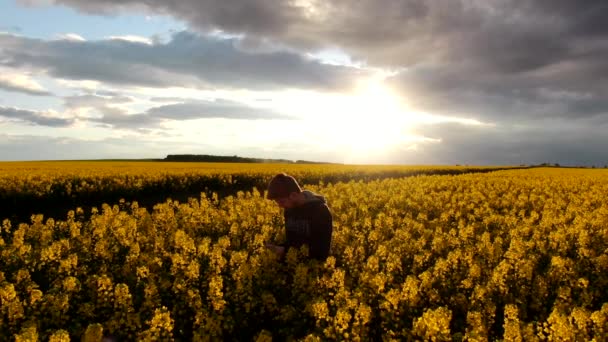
{"x": 514, "y": 255}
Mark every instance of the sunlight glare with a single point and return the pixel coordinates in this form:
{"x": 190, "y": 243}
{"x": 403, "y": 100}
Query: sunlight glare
{"x": 373, "y": 120}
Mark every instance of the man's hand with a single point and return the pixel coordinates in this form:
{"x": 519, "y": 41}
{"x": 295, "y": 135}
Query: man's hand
{"x": 278, "y": 250}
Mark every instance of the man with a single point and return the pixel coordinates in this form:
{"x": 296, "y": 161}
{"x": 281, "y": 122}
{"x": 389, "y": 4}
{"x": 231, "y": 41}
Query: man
{"x": 308, "y": 220}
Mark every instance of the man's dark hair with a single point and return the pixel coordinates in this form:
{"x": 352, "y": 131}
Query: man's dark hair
{"x": 281, "y": 186}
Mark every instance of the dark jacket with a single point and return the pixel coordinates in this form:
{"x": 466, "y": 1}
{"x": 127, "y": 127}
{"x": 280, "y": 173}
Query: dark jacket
{"x": 309, "y": 224}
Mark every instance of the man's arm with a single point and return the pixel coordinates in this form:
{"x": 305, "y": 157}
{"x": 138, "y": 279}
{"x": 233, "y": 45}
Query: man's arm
{"x": 286, "y": 245}
{"x": 320, "y": 234}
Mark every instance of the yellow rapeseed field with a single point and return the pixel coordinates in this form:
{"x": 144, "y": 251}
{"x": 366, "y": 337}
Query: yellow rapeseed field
{"x": 514, "y": 255}
{"x": 70, "y": 178}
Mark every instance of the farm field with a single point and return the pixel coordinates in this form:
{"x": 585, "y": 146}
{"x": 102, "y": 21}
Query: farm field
{"x": 514, "y": 255}
{"x": 53, "y": 188}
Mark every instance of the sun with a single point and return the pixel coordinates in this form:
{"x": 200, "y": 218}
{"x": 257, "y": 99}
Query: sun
{"x": 373, "y": 119}
{"x": 370, "y": 124}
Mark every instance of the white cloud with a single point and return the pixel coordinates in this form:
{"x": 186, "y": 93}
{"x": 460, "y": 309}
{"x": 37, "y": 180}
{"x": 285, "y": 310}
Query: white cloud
{"x": 79, "y": 84}
{"x": 20, "y": 82}
{"x": 71, "y": 37}
{"x": 132, "y": 39}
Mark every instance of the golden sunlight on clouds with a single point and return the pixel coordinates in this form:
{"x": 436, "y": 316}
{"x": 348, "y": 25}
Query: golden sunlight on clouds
{"x": 367, "y": 121}
{"x": 362, "y": 126}
{"x": 20, "y": 81}
{"x": 90, "y": 85}
{"x": 373, "y": 119}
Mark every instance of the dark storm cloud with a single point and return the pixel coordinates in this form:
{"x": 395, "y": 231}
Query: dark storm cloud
{"x": 188, "y": 60}
{"x": 34, "y": 117}
{"x": 490, "y": 27}
{"x": 497, "y": 97}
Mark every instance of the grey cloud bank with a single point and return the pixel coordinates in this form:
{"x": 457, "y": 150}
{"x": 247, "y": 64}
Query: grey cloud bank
{"x": 513, "y": 35}
{"x": 34, "y": 117}
{"x": 475, "y": 145}
{"x": 188, "y": 60}
{"x": 188, "y": 110}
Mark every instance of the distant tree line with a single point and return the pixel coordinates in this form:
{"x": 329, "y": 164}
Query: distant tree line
{"x": 569, "y": 166}
{"x": 231, "y": 159}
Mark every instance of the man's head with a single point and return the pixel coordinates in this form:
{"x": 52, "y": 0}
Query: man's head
{"x": 284, "y": 190}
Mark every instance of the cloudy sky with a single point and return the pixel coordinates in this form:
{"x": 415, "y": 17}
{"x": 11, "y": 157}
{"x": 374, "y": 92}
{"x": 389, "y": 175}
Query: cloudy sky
{"x": 372, "y": 81}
